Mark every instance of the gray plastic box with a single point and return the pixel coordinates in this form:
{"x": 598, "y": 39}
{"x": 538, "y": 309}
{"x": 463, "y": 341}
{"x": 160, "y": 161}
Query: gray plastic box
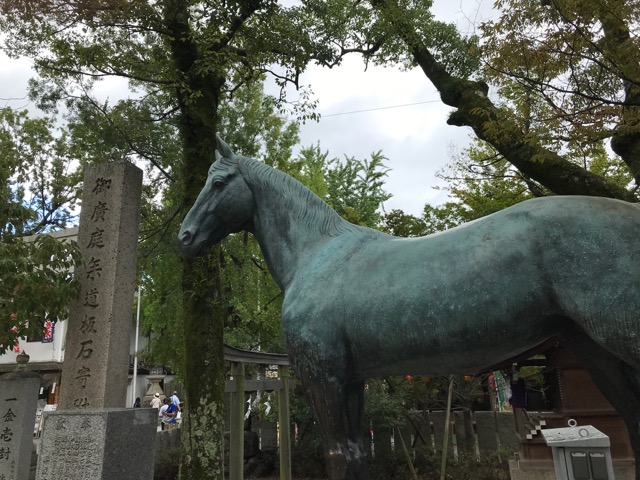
{"x": 580, "y": 453}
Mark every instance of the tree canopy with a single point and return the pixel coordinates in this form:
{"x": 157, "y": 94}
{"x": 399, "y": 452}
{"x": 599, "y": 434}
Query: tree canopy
{"x": 183, "y": 58}
{"x": 38, "y": 191}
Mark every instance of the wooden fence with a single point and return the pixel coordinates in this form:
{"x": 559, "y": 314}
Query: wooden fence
{"x": 471, "y": 432}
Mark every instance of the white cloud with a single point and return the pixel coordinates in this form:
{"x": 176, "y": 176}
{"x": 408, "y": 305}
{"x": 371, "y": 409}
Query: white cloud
{"x": 415, "y": 138}
{"x": 14, "y": 76}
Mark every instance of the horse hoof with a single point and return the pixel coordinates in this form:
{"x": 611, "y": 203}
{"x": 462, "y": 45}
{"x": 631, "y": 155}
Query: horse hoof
{"x": 337, "y": 466}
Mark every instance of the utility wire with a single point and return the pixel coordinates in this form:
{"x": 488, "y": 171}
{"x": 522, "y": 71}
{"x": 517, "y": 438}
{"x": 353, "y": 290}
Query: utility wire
{"x": 379, "y": 108}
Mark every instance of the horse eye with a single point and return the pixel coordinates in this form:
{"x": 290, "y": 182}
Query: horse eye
{"x": 218, "y": 184}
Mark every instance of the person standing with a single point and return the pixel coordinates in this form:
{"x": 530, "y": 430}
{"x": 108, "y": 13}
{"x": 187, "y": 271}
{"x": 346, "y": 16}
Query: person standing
{"x": 137, "y": 403}
{"x": 156, "y": 402}
{"x": 175, "y": 400}
{"x": 162, "y": 411}
{"x": 169, "y": 414}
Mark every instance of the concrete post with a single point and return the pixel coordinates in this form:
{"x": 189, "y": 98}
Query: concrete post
{"x": 92, "y": 435}
{"x": 96, "y": 361}
{"x": 236, "y": 435}
{"x": 284, "y": 421}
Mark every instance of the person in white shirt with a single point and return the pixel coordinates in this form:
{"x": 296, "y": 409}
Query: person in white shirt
{"x": 163, "y": 409}
{"x": 155, "y": 401}
{"x": 175, "y": 399}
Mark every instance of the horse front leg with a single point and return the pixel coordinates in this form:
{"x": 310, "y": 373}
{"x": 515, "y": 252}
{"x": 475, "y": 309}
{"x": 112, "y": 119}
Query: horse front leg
{"x": 354, "y": 410}
{"x": 329, "y": 402}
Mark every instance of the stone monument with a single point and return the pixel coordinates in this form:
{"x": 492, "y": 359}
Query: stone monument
{"x": 98, "y": 445}
{"x": 18, "y": 402}
{"x": 92, "y": 434}
{"x": 96, "y": 359}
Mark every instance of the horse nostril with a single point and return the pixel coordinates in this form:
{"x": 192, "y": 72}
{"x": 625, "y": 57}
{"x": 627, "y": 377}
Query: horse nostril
{"x": 187, "y": 238}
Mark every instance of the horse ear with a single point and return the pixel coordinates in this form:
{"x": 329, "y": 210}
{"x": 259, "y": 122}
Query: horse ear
{"x": 218, "y": 156}
{"x": 223, "y": 148}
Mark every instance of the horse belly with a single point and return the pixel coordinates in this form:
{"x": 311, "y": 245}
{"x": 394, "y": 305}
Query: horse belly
{"x": 427, "y": 308}
{"x": 425, "y": 345}
{"x": 480, "y": 356}
{"x": 434, "y": 328}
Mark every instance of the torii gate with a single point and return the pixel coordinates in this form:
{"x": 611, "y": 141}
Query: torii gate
{"x": 237, "y": 387}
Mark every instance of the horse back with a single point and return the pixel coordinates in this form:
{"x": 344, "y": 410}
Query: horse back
{"x": 442, "y": 296}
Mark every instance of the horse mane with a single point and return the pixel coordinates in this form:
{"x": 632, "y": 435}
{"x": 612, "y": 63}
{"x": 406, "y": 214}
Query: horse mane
{"x": 312, "y": 212}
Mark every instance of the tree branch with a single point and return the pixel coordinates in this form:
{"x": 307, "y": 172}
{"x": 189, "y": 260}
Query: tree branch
{"x": 474, "y": 109}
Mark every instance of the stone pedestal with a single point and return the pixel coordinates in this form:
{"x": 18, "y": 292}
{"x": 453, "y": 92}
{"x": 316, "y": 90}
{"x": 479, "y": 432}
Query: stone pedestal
{"x": 98, "y": 445}
{"x": 18, "y": 402}
{"x": 154, "y": 388}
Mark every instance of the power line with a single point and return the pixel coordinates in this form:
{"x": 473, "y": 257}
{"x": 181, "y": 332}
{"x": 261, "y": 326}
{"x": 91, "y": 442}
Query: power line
{"x": 380, "y": 108}
{"x": 10, "y": 99}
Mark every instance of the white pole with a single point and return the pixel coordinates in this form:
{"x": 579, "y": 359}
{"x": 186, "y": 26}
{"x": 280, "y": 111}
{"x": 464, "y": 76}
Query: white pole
{"x": 447, "y": 424}
{"x": 135, "y": 348}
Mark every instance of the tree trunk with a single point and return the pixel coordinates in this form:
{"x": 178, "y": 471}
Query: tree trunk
{"x": 203, "y": 423}
{"x": 203, "y": 302}
{"x": 203, "y": 320}
{"x": 620, "y": 47}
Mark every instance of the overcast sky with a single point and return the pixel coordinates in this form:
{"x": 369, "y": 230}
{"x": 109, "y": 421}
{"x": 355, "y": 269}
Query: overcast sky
{"x": 415, "y": 138}
{"x": 403, "y": 114}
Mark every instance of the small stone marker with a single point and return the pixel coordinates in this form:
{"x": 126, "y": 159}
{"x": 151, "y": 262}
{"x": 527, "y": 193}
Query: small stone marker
{"x": 18, "y": 403}
{"x": 91, "y": 435}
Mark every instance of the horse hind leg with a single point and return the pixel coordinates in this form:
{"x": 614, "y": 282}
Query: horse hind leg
{"x": 618, "y": 380}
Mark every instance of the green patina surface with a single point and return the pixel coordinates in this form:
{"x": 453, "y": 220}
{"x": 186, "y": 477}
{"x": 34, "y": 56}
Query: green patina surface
{"x": 360, "y": 303}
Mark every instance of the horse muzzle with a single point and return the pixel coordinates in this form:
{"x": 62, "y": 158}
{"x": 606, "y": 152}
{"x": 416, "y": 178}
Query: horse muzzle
{"x": 194, "y": 242}
{"x": 188, "y": 246}
{"x": 185, "y": 238}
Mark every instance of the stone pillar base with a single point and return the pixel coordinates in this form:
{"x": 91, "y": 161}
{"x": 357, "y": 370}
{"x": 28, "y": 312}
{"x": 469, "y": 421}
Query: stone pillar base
{"x": 531, "y": 470}
{"x": 98, "y": 445}
{"x": 544, "y": 470}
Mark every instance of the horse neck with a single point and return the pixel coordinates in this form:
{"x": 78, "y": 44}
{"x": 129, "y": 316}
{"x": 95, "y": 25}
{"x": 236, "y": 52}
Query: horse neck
{"x": 291, "y": 223}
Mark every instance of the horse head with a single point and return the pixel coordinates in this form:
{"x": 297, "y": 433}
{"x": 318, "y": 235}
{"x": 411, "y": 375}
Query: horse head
{"x": 224, "y": 206}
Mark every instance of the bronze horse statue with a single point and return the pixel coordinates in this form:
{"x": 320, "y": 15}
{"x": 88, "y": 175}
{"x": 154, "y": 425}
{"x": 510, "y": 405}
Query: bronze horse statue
{"x": 360, "y": 303}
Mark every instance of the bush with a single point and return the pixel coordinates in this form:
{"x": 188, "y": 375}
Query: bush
{"x": 167, "y": 464}
{"x": 492, "y": 466}
{"x": 307, "y": 456}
